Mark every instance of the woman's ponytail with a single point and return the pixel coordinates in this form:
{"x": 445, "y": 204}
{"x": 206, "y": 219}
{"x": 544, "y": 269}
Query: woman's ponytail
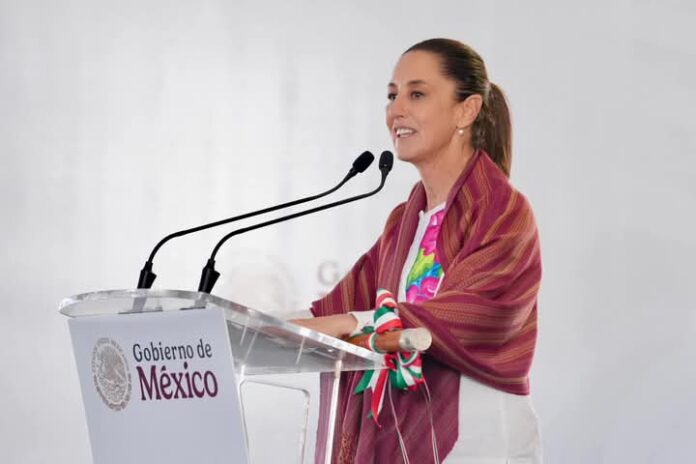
{"x": 492, "y": 130}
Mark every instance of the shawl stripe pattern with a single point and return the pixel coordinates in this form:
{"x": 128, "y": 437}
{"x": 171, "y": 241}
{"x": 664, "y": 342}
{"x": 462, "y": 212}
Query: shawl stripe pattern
{"x": 483, "y": 318}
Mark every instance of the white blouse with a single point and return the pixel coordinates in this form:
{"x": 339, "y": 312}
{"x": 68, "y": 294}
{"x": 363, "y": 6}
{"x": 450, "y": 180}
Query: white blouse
{"x": 495, "y": 427}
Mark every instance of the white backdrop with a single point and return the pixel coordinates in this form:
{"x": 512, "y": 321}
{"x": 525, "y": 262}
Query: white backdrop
{"x": 123, "y": 121}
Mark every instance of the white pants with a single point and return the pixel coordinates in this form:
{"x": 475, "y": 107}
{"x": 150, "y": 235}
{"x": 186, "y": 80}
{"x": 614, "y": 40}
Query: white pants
{"x": 495, "y": 427}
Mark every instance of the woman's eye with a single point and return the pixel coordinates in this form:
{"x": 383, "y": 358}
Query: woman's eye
{"x": 391, "y": 96}
{"x": 417, "y": 94}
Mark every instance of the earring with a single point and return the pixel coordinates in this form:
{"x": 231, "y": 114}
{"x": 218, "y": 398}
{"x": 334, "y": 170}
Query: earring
{"x": 460, "y": 130}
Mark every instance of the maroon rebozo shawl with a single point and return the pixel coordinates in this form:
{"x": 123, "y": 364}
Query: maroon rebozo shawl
{"x": 483, "y": 318}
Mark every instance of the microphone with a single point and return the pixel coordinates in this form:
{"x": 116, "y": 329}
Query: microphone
{"x": 209, "y": 275}
{"x": 147, "y": 277}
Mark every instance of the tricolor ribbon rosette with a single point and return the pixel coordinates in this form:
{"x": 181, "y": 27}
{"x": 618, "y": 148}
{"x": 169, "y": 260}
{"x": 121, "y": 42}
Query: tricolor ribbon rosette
{"x": 404, "y": 369}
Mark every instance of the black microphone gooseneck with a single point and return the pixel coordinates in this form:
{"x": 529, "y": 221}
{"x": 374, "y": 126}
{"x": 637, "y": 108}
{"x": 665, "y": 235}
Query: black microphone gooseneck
{"x": 147, "y": 277}
{"x": 209, "y": 275}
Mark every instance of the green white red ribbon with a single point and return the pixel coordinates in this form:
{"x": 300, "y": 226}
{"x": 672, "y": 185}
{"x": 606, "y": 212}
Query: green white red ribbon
{"x": 404, "y": 369}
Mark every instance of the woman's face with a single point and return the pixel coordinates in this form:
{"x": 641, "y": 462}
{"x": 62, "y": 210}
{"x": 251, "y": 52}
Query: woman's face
{"x": 422, "y": 113}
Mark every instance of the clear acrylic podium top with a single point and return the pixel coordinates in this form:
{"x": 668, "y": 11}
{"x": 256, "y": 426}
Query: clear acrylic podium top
{"x": 261, "y": 343}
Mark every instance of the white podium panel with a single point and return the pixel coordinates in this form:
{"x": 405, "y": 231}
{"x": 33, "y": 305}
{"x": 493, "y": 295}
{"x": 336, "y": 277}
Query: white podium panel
{"x": 159, "y": 387}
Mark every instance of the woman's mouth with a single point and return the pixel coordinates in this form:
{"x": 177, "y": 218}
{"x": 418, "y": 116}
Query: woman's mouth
{"x": 403, "y": 132}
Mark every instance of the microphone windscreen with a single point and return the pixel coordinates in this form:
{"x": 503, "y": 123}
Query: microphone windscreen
{"x": 363, "y": 161}
{"x": 386, "y": 161}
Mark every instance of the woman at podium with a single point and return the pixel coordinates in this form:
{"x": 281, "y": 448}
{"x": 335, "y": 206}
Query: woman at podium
{"x": 461, "y": 258}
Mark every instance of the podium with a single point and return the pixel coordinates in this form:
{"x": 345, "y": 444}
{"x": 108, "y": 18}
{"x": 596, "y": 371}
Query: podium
{"x": 178, "y": 376}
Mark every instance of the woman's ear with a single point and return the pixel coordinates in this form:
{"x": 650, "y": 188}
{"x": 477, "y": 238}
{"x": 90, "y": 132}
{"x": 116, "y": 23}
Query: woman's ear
{"x": 469, "y": 110}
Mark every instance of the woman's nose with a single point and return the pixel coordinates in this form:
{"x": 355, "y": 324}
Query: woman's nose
{"x": 396, "y": 107}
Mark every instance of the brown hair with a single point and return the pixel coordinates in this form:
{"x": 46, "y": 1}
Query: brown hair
{"x": 492, "y": 129}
